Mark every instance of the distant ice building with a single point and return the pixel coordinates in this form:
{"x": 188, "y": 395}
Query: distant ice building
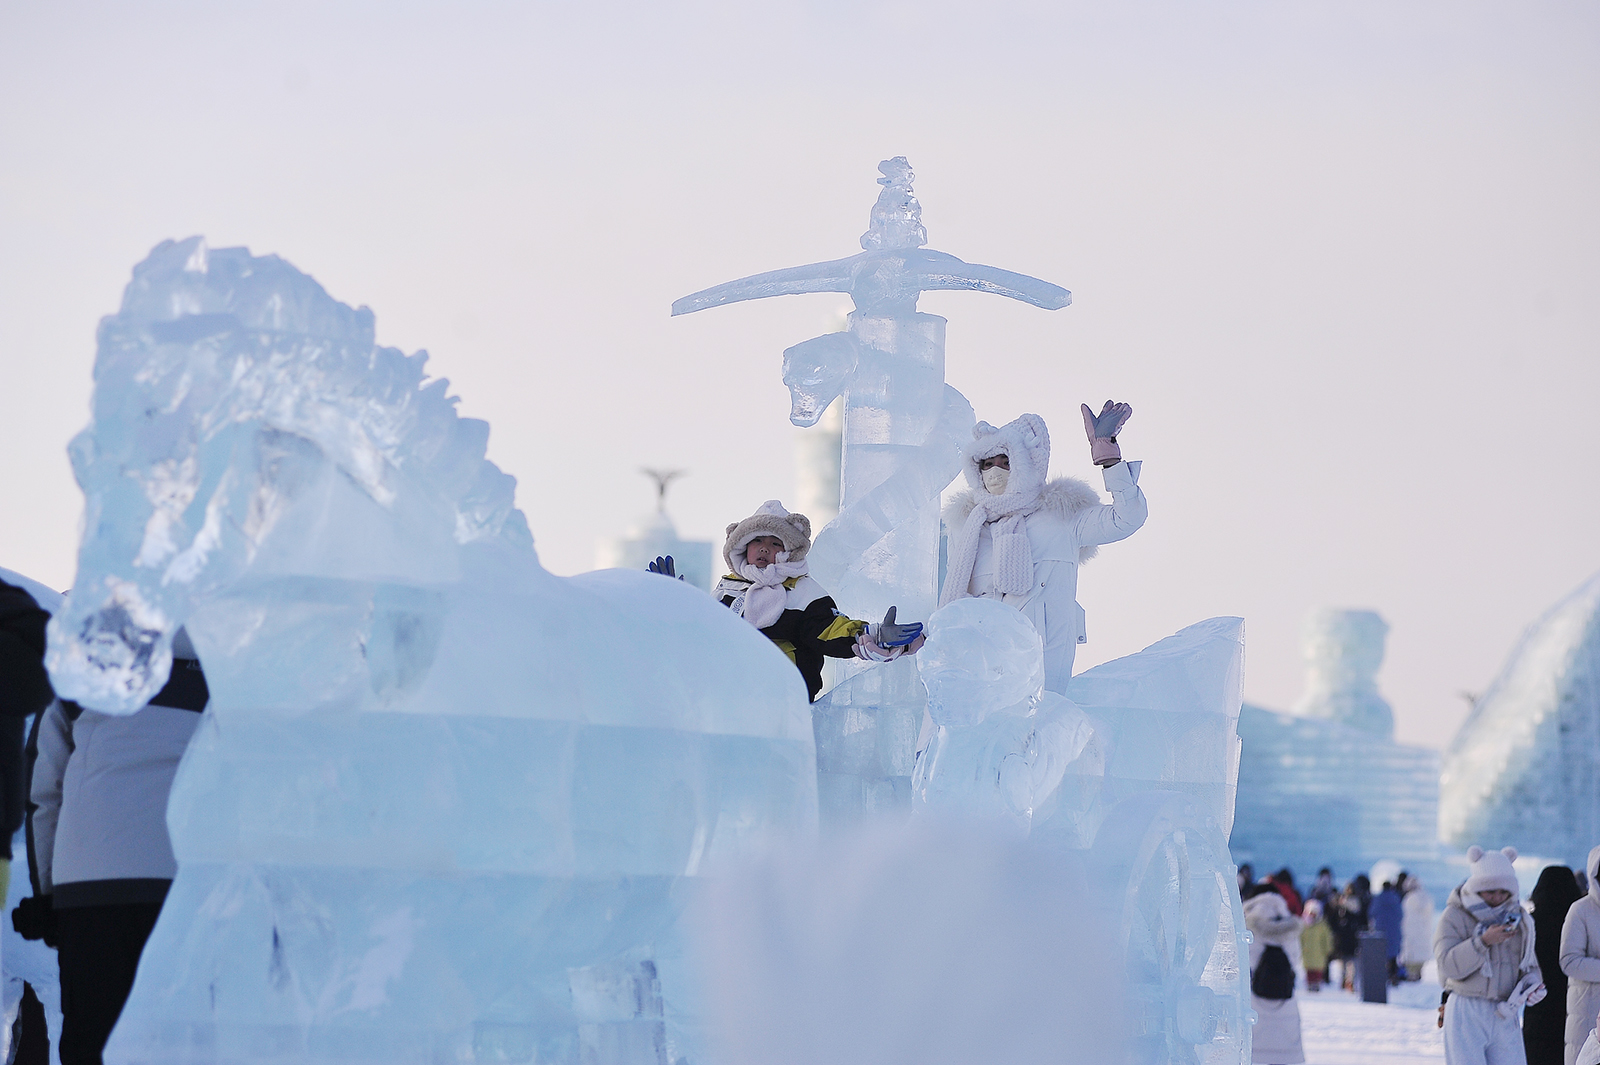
{"x": 817, "y": 455}
{"x": 1525, "y": 768}
{"x": 1326, "y": 784}
{"x": 655, "y": 535}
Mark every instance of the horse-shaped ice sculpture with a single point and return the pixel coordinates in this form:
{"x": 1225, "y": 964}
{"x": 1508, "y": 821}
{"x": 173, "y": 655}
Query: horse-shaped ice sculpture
{"x": 443, "y": 806}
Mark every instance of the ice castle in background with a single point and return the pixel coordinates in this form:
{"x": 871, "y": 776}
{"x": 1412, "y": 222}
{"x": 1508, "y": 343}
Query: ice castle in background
{"x": 443, "y": 805}
{"x": 655, "y": 535}
{"x": 1525, "y": 767}
{"x": 1326, "y": 784}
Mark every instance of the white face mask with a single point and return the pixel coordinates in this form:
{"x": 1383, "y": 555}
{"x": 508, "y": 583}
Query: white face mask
{"x": 994, "y": 479}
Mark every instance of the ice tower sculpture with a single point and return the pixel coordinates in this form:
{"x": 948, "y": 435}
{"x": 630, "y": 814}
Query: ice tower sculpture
{"x": 443, "y": 805}
{"x": 1525, "y": 767}
{"x": 1343, "y": 650}
{"x": 904, "y": 430}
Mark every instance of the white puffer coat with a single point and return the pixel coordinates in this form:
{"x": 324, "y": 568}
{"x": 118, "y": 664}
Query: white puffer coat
{"x": 1580, "y": 960}
{"x": 1416, "y": 925}
{"x": 1275, "y": 1039}
{"x": 1064, "y": 530}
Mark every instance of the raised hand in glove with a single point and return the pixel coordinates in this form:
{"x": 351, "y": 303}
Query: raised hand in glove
{"x": 889, "y": 634}
{"x": 1102, "y": 430}
{"x": 663, "y": 565}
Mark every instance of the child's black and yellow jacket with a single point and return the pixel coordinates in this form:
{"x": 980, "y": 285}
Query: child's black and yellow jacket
{"x": 809, "y": 628}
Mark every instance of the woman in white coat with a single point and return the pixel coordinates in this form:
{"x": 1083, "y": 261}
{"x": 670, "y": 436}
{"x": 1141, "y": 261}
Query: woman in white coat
{"x": 1580, "y": 960}
{"x": 1416, "y": 927}
{"x": 1017, "y": 537}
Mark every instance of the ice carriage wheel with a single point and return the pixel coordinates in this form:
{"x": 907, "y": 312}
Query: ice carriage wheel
{"x": 1179, "y": 930}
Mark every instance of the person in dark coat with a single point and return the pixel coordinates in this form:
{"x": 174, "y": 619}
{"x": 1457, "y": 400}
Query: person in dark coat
{"x": 1352, "y": 921}
{"x": 1544, "y": 1025}
{"x": 24, "y": 692}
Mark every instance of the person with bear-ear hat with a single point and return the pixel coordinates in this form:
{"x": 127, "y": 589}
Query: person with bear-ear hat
{"x": 1484, "y": 947}
{"x": 769, "y": 585}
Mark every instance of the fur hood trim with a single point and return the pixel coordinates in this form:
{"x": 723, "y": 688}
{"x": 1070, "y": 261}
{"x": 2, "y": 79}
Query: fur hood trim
{"x": 770, "y": 519}
{"x": 1267, "y": 915}
{"x": 1064, "y": 496}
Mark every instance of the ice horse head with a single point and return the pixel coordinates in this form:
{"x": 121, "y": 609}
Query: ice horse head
{"x": 443, "y": 805}
{"x": 234, "y": 399}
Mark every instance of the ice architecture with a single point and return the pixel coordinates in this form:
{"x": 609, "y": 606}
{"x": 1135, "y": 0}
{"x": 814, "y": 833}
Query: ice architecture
{"x": 1525, "y": 767}
{"x": 426, "y": 816}
{"x": 904, "y": 430}
{"x": 1327, "y": 784}
{"x": 1132, "y": 779}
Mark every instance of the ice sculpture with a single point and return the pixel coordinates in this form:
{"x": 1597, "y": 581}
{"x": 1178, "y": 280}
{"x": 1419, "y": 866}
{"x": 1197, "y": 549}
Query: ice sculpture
{"x": 443, "y": 805}
{"x": 1344, "y": 649}
{"x": 904, "y": 429}
{"x": 1525, "y": 767}
{"x": 1134, "y": 774}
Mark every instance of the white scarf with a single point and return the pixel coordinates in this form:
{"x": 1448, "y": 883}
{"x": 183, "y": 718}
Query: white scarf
{"x": 1492, "y": 915}
{"x": 762, "y": 603}
{"x": 1013, "y": 557}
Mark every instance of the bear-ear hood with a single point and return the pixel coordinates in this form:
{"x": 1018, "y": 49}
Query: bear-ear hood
{"x": 1026, "y": 443}
{"x": 770, "y": 519}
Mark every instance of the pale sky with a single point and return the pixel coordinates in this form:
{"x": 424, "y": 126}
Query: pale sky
{"x": 1342, "y": 258}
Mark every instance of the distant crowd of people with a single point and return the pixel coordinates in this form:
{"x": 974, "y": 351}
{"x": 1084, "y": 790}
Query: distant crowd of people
{"x": 1335, "y": 916}
{"x": 1520, "y": 979}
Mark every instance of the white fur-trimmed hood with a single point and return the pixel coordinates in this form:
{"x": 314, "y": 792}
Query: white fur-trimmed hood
{"x": 1064, "y": 496}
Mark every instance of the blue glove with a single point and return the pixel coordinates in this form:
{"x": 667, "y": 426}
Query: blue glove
{"x": 663, "y": 565}
{"x": 889, "y": 634}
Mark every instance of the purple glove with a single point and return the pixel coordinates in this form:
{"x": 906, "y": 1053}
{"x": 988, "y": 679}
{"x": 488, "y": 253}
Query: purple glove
{"x": 1102, "y": 431}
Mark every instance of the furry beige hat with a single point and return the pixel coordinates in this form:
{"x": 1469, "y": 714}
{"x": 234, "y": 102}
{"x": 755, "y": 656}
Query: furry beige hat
{"x": 770, "y": 519}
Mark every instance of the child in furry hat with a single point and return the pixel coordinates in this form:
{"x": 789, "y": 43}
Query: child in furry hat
{"x": 1484, "y": 948}
{"x": 1016, "y": 537}
{"x": 770, "y": 587}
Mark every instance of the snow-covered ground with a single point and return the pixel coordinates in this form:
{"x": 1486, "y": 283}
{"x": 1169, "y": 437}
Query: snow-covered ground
{"x": 1337, "y": 1028}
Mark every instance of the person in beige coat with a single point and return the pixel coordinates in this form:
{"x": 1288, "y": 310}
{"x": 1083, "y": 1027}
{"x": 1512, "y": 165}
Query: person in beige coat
{"x": 1484, "y": 949}
{"x": 1580, "y": 960}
